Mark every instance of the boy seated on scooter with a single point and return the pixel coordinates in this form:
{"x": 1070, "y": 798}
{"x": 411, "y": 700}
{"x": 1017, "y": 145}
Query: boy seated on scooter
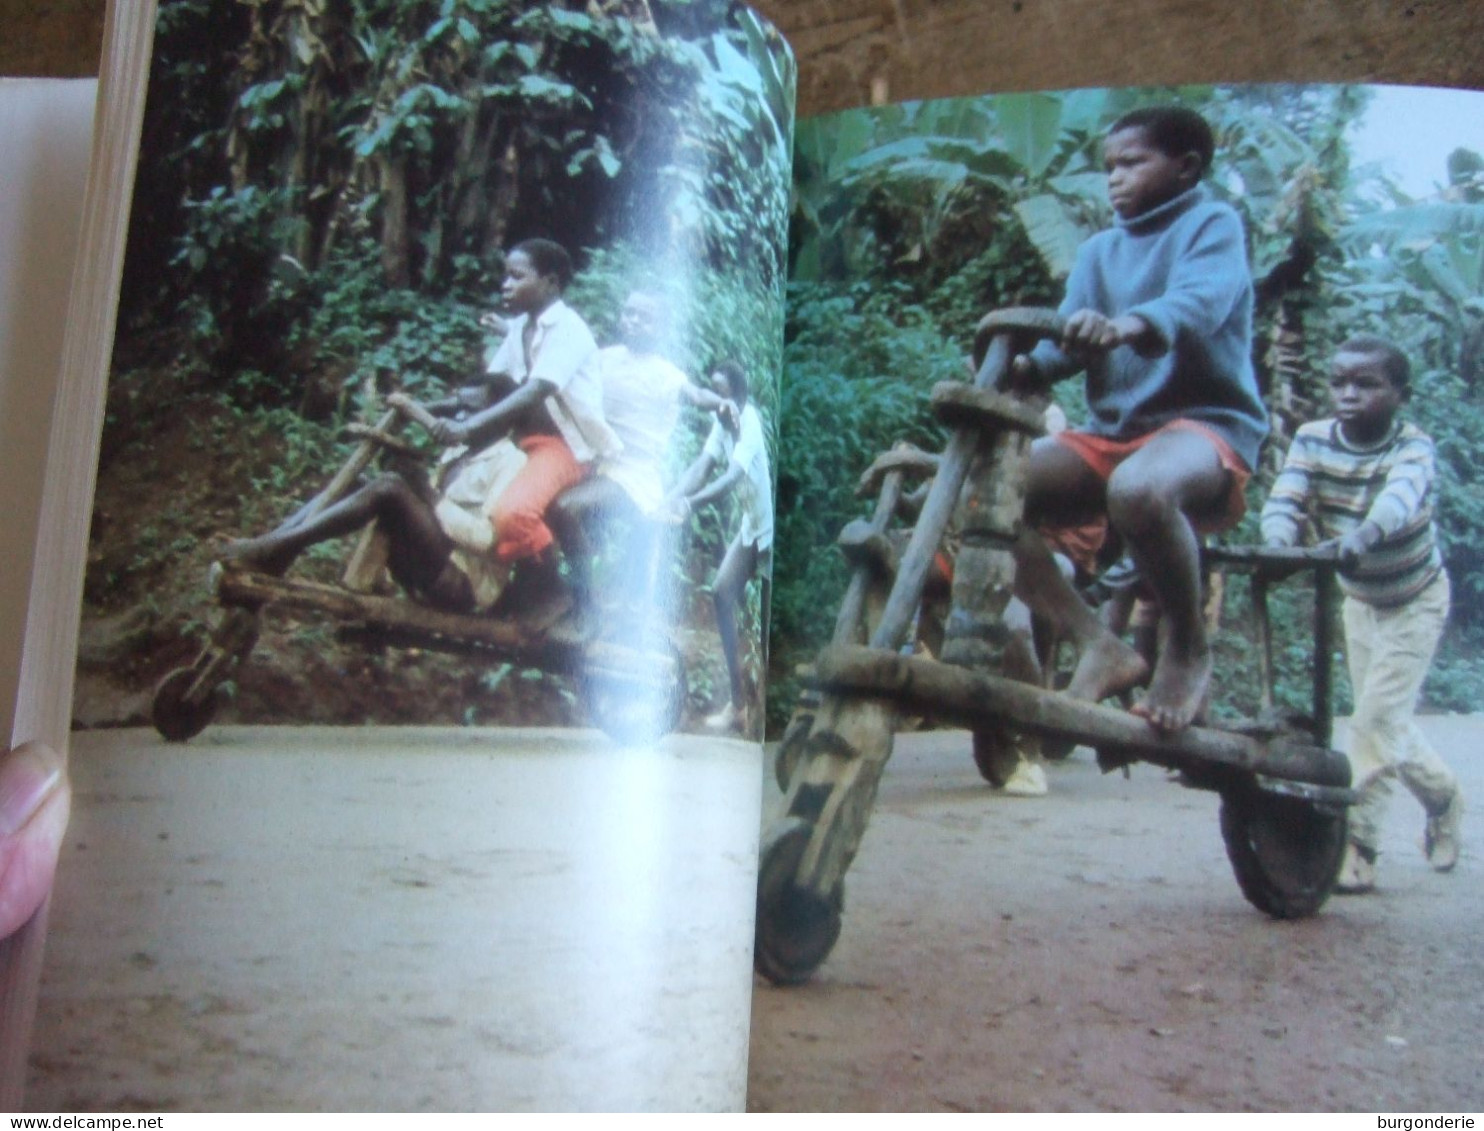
{"x": 551, "y": 408}
{"x": 1158, "y": 313}
{"x": 554, "y": 415}
{"x": 436, "y": 563}
{"x": 1363, "y": 481}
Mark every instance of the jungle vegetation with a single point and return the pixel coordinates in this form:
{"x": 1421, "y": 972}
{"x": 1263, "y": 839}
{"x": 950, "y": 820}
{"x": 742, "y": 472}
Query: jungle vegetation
{"x": 348, "y": 188}
{"x": 911, "y": 221}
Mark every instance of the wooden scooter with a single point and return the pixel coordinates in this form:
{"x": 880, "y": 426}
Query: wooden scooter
{"x": 631, "y": 680}
{"x": 1284, "y": 792}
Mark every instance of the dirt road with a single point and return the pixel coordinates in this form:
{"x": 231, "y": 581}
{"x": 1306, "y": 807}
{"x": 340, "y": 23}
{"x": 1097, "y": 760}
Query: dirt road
{"x": 1090, "y": 951}
{"x": 396, "y": 919}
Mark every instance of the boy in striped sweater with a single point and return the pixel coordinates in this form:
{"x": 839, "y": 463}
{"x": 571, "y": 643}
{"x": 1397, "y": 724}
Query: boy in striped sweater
{"x": 1364, "y": 480}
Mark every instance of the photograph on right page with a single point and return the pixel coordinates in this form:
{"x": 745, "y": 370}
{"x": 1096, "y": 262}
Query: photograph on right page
{"x": 1126, "y": 621}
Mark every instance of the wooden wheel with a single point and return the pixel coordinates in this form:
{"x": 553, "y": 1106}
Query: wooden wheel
{"x": 796, "y": 929}
{"x": 1285, "y": 851}
{"x": 635, "y": 695}
{"x": 177, "y": 717}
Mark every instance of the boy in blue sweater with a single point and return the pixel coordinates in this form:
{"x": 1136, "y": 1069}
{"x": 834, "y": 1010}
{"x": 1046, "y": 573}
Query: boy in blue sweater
{"x": 1159, "y": 314}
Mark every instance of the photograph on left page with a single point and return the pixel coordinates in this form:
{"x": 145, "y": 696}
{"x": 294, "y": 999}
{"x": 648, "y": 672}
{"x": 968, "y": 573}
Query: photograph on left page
{"x": 419, "y": 686}
{"x": 428, "y": 315}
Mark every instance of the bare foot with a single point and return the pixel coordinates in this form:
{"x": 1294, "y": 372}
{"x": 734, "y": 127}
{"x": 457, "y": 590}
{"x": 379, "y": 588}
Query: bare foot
{"x": 264, "y": 553}
{"x": 1177, "y": 693}
{"x": 1106, "y": 667}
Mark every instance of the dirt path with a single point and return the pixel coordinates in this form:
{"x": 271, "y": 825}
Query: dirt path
{"x": 393, "y": 919}
{"x": 1091, "y": 951}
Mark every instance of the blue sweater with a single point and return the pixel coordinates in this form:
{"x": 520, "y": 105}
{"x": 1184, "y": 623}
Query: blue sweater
{"x": 1182, "y": 267}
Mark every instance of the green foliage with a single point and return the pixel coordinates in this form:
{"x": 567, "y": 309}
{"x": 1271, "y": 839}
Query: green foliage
{"x": 402, "y": 140}
{"x": 1457, "y": 673}
{"x": 920, "y": 186}
{"x": 725, "y": 202}
{"x": 391, "y": 336}
{"x": 1414, "y": 273}
{"x": 858, "y": 365}
{"x": 237, "y": 296}
{"x": 1005, "y": 272}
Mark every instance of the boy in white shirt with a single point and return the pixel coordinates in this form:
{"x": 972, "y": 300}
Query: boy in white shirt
{"x": 643, "y": 394}
{"x": 742, "y": 459}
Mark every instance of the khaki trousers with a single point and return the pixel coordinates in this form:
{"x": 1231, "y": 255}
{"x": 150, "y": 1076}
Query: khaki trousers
{"x": 1389, "y": 651}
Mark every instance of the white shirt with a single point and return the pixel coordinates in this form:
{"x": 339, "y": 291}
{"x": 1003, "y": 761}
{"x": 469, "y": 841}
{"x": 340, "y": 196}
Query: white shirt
{"x": 641, "y": 402}
{"x": 748, "y": 451}
{"x": 563, "y": 354}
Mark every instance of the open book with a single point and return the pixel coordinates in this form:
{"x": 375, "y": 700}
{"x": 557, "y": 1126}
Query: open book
{"x": 45, "y": 126}
{"x": 396, "y": 794}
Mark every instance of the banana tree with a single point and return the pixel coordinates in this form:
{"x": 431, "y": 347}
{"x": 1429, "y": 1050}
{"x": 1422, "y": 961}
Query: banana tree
{"x": 918, "y": 182}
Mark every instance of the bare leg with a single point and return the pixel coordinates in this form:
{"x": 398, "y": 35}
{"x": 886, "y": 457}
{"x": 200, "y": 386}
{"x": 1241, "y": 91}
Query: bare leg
{"x": 1022, "y": 660}
{"x": 419, "y": 547}
{"x": 1151, "y": 498}
{"x": 1064, "y": 490}
{"x": 1118, "y": 609}
{"x": 727, "y": 591}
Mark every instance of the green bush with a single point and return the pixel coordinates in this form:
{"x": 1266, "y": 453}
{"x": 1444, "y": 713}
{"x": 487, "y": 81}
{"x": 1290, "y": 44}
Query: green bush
{"x": 858, "y": 366}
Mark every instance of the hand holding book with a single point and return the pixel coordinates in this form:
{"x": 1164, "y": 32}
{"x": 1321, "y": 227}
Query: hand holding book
{"x": 35, "y": 799}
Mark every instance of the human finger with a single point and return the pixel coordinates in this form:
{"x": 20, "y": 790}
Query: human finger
{"x": 35, "y": 800}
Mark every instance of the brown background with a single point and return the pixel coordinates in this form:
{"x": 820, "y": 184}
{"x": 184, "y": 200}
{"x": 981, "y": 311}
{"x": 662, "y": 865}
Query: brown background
{"x": 856, "y": 51}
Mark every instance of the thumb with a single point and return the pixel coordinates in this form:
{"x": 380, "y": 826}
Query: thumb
{"x": 35, "y": 799}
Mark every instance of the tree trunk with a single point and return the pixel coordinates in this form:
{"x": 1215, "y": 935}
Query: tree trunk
{"x": 502, "y": 196}
{"x": 396, "y": 258}
{"x": 470, "y": 207}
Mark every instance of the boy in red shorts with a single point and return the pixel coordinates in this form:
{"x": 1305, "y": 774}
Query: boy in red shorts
{"x": 1159, "y": 314}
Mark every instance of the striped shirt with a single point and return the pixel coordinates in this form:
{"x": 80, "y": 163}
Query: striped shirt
{"x": 1336, "y": 485}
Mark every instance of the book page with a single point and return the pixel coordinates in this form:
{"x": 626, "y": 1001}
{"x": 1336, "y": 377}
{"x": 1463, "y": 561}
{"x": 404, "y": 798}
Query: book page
{"x": 47, "y": 126}
{"x": 960, "y": 907}
{"x": 419, "y": 686}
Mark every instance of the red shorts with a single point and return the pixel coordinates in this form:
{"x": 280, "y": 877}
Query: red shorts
{"x": 1078, "y": 543}
{"x": 519, "y": 513}
{"x": 1103, "y": 455}
{"x": 1081, "y": 543}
